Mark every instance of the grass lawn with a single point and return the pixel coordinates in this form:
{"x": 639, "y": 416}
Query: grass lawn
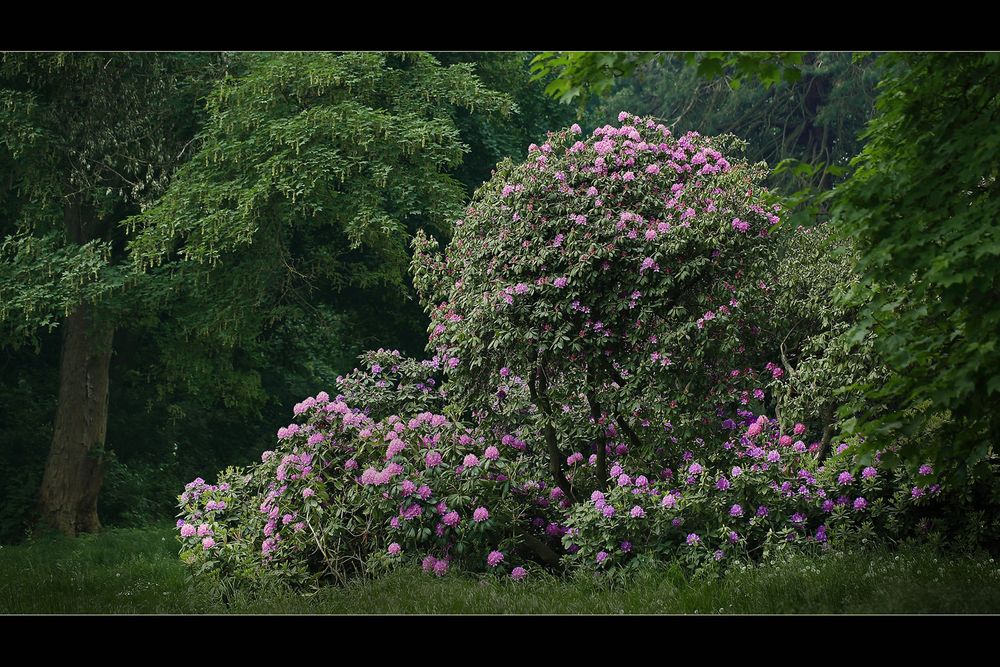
{"x": 136, "y": 571}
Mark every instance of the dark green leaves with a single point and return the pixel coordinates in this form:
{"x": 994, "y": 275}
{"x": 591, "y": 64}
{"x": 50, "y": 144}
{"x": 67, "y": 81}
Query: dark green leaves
{"x": 923, "y": 208}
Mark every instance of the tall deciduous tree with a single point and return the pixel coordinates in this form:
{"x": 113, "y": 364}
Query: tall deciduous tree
{"x": 87, "y": 140}
{"x": 923, "y": 209}
{"x": 305, "y": 179}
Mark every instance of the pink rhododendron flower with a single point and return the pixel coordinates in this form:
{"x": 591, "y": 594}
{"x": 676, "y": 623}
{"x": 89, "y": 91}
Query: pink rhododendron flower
{"x": 428, "y": 563}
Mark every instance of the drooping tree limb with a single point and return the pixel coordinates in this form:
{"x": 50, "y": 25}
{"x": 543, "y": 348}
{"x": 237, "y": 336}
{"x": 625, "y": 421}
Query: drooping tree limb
{"x": 539, "y": 548}
{"x": 620, "y": 420}
{"x": 538, "y": 386}
{"x": 791, "y": 372}
{"x": 625, "y": 426}
{"x": 826, "y": 414}
{"x": 602, "y": 442}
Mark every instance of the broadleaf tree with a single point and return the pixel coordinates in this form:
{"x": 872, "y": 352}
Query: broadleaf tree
{"x": 300, "y": 178}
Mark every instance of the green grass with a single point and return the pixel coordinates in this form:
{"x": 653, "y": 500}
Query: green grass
{"x": 136, "y": 571}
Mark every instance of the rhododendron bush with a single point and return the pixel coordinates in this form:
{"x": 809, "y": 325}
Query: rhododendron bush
{"x": 746, "y": 497}
{"x": 353, "y": 490}
{"x": 617, "y": 274}
{"x": 606, "y": 347}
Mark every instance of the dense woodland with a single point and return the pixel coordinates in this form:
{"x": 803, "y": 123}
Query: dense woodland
{"x": 192, "y": 243}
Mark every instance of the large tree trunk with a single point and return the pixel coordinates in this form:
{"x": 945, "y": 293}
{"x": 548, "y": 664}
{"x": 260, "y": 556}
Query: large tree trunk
{"x": 74, "y": 470}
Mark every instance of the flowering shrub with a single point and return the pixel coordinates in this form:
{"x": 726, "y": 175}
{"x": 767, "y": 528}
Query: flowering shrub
{"x": 604, "y": 271}
{"x": 807, "y": 327}
{"x": 350, "y": 491}
{"x": 604, "y": 330}
{"x": 756, "y": 493}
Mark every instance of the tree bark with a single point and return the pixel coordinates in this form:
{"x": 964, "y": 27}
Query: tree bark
{"x": 602, "y": 440}
{"x": 826, "y": 414}
{"x": 75, "y": 467}
{"x": 74, "y": 471}
{"x": 538, "y": 386}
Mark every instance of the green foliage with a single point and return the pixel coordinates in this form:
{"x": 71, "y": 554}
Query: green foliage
{"x": 922, "y": 209}
{"x": 806, "y": 129}
{"x": 97, "y": 134}
{"x": 318, "y": 508}
{"x": 28, "y": 386}
{"x": 311, "y": 174}
{"x": 578, "y": 74}
{"x": 353, "y": 145}
{"x": 493, "y": 137}
{"x": 808, "y": 323}
{"x": 207, "y": 353}
{"x": 603, "y": 275}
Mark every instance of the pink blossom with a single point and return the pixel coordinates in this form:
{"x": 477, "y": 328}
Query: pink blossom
{"x": 428, "y": 563}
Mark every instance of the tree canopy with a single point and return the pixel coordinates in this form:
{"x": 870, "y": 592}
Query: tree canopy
{"x": 923, "y": 207}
